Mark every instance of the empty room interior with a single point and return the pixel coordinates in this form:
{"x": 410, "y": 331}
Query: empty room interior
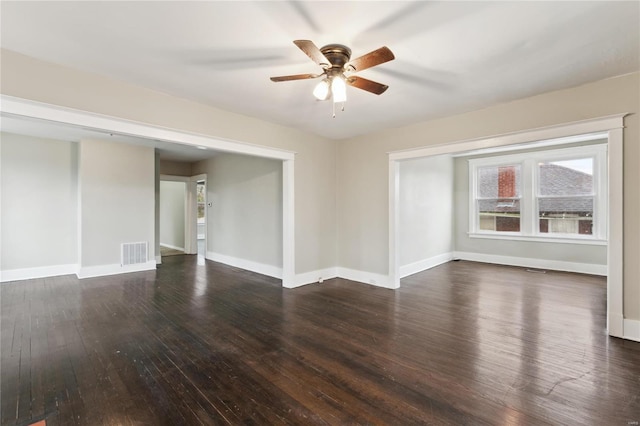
{"x": 318, "y": 212}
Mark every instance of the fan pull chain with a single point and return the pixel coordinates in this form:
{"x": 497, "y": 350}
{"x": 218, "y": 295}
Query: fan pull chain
{"x": 333, "y": 104}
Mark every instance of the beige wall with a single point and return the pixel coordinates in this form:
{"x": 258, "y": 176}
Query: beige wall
{"x": 425, "y": 208}
{"x": 315, "y": 174}
{"x": 175, "y": 168}
{"x": 117, "y": 200}
{"x": 39, "y": 194}
{"x": 245, "y": 218}
{"x": 363, "y": 167}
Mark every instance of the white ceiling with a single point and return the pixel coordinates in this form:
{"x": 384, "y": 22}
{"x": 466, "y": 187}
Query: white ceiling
{"x": 451, "y": 57}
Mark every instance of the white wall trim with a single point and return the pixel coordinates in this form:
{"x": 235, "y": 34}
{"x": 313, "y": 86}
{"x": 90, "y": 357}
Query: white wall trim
{"x": 249, "y": 265}
{"x": 423, "y": 265}
{"x": 394, "y": 224}
{"x": 171, "y": 246}
{"x": 370, "y": 278}
{"x": 288, "y": 225}
{"x": 39, "y": 272}
{"x": 158, "y": 260}
{"x": 25, "y": 108}
{"x": 551, "y": 238}
{"x": 631, "y": 329}
{"x": 560, "y": 133}
{"x": 114, "y": 269}
{"x": 107, "y": 124}
{"x": 525, "y": 262}
{"x": 314, "y": 277}
{"x": 615, "y": 228}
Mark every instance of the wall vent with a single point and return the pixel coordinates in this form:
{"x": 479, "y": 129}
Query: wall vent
{"x": 133, "y": 253}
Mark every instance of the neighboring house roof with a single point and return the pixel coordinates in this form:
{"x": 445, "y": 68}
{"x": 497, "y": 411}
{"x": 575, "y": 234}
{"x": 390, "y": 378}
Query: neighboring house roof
{"x": 555, "y": 181}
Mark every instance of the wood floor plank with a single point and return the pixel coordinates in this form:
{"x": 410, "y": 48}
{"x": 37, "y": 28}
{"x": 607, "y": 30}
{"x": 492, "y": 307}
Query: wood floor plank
{"x": 462, "y": 343}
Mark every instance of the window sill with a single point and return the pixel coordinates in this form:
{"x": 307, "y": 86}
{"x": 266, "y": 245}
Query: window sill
{"x": 560, "y": 239}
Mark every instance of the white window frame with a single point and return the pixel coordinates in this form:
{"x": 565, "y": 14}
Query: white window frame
{"x": 529, "y": 196}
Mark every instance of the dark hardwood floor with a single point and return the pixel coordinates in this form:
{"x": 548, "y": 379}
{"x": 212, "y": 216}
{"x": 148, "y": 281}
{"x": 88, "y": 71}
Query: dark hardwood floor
{"x": 463, "y": 343}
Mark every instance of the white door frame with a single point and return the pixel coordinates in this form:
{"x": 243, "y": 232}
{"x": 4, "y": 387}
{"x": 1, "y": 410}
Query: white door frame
{"x": 192, "y": 214}
{"x": 610, "y": 127}
{"x": 12, "y": 106}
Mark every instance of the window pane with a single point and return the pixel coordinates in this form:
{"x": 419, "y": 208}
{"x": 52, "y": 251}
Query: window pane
{"x": 566, "y": 215}
{"x": 502, "y": 215}
{"x": 200, "y": 192}
{"x": 499, "y": 181}
{"x": 573, "y": 177}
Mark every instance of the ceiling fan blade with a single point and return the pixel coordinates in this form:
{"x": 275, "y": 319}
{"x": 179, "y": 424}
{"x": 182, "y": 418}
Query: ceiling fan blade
{"x": 313, "y": 52}
{"x": 371, "y": 59}
{"x": 295, "y": 77}
{"x": 368, "y": 85}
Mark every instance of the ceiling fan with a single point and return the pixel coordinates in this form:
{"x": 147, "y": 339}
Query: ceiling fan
{"x": 335, "y": 60}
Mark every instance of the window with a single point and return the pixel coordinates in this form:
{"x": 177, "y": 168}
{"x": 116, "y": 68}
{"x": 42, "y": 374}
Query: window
{"x": 557, "y": 194}
{"x": 200, "y": 199}
{"x": 566, "y": 196}
{"x": 498, "y": 199}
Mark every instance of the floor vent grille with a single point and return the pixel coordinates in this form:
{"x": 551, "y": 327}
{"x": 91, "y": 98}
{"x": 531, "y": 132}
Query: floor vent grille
{"x": 133, "y": 253}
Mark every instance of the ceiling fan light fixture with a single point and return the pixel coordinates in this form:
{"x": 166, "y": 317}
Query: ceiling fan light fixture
{"x": 335, "y": 60}
{"x": 338, "y": 89}
{"x": 321, "y": 91}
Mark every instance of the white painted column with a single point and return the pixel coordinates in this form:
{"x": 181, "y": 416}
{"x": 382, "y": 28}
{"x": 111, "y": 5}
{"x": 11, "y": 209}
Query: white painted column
{"x": 288, "y": 224}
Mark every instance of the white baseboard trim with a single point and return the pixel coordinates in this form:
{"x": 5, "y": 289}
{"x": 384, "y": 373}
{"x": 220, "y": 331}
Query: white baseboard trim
{"x": 370, "y": 278}
{"x": 631, "y": 330}
{"x": 525, "y": 262}
{"x": 615, "y": 324}
{"x": 104, "y": 270}
{"x": 423, "y": 265}
{"x": 169, "y": 246}
{"x": 39, "y": 272}
{"x": 249, "y": 265}
{"x": 158, "y": 260}
{"x": 314, "y": 276}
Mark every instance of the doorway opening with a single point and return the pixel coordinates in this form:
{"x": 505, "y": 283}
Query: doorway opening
{"x": 609, "y": 128}
{"x": 152, "y": 135}
{"x": 173, "y": 203}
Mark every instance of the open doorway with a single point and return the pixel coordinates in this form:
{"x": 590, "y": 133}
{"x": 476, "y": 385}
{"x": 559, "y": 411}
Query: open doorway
{"x": 607, "y": 128}
{"x": 183, "y": 212}
{"x": 173, "y": 210}
{"x": 85, "y": 125}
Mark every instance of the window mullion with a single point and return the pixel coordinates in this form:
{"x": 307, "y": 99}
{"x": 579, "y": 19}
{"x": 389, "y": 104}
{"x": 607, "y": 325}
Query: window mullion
{"x": 529, "y": 197}
{"x": 473, "y": 203}
{"x": 601, "y": 190}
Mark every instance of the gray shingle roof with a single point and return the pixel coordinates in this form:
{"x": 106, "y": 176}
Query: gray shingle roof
{"x": 555, "y": 181}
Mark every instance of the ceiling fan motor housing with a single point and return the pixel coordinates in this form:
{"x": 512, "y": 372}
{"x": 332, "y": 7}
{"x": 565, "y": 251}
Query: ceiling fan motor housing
{"x": 337, "y": 54}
